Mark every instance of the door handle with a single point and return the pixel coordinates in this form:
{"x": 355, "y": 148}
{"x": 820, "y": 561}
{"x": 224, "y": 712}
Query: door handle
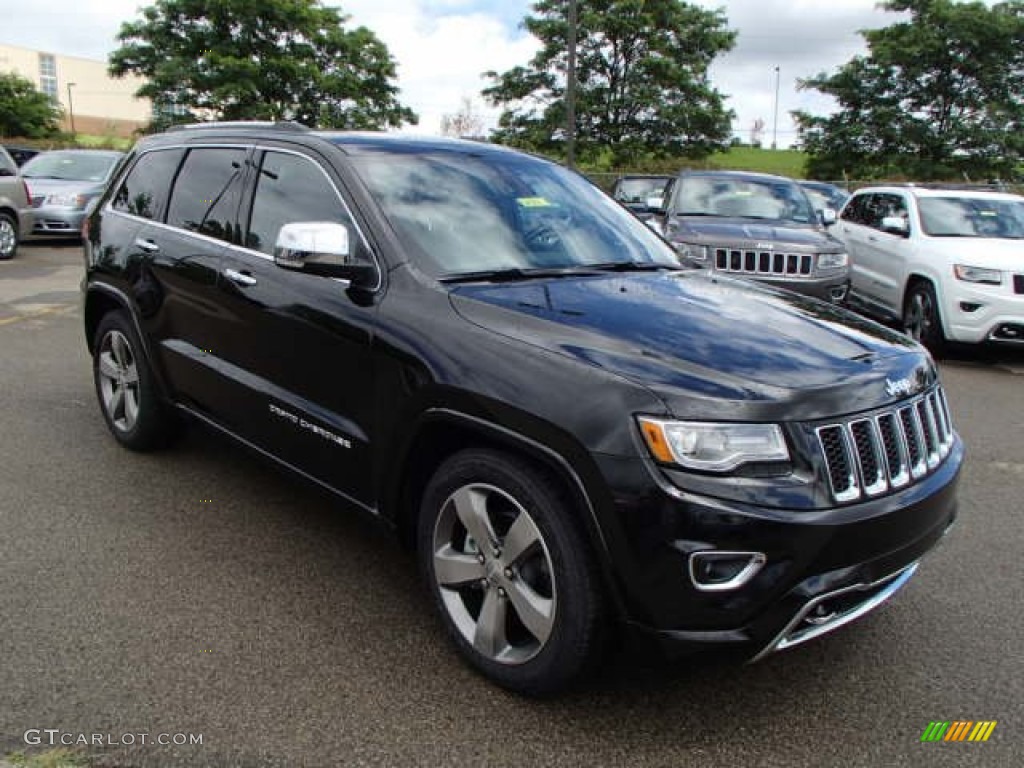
{"x": 147, "y": 245}
{"x": 872, "y": 239}
{"x": 239, "y": 278}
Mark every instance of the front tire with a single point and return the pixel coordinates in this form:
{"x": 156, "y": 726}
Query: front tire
{"x": 131, "y": 405}
{"x": 8, "y": 236}
{"x": 921, "y": 318}
{"x": 510, "y": 573}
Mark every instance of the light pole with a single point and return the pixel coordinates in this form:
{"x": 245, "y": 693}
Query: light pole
{"x": 775, "y": 113}
{"x": 570, "y": 91}
{"x": 71, "y": 108}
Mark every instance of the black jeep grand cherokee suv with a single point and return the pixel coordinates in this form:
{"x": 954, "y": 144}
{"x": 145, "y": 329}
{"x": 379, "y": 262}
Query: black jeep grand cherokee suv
{"x": 499, "y": 362}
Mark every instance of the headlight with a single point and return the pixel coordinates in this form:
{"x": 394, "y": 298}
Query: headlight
{"x": 66, "y": 201}
{"x": 978, "y": 275}
{"x": 713, "y": 447}
{"x": 691, "y": 251}
{"x": 832, "y": 260}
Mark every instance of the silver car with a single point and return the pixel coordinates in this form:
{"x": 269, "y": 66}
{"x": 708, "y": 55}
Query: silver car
{"x": 15, "y": 211}
{"x": 62, "y": 183}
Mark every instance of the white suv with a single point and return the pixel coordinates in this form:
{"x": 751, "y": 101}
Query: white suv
{"x": 948, "y": 263}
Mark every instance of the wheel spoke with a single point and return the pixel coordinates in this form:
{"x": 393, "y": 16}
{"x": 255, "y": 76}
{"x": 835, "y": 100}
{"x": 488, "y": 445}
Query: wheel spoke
{"x": 119, "y": 346}
{"x": 117, "y": 403}
{"x": 131, "y": 374}
{"x": 108, "y": 366}
{"x": 490, "y": 638}
{"x": 131, "y": 406}
{"x": 471, "y": 507}
{"x": 535, "y": 612}
{"x": 454, "y": 569}
{"x": 521, "y": 537}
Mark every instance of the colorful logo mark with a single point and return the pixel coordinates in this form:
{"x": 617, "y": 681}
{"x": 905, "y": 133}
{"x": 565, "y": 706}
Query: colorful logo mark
{"x": 959, "y": 730}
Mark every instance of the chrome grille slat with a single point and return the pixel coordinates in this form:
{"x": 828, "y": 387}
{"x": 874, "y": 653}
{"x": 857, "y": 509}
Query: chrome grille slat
{"x": 754, "y": 262}
{"x": 871, "y": 455}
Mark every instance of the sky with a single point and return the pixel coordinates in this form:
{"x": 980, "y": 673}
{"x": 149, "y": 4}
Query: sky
{"x": 443, "y": 46}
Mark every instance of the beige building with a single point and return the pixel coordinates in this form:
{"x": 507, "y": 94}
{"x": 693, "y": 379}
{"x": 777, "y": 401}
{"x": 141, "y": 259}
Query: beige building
{"x": 100, "y": 104}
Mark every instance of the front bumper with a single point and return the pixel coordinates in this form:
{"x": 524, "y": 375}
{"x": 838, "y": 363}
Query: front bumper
{"x": 978, "y": 314}
{"x": 823, "y": 568}
{"x": 26, "y": 220}
{"x": 833, "y": 289}
{"x": 51, "y": 221}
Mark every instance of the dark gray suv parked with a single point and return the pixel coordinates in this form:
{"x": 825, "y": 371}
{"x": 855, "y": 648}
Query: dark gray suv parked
{"x": 756, "y": 226}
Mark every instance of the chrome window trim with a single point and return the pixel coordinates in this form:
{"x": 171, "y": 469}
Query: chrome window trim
{"x": 108, "y": 207}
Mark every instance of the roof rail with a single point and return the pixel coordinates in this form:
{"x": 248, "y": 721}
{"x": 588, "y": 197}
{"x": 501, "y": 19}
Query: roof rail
{"x": 280, "y": 125}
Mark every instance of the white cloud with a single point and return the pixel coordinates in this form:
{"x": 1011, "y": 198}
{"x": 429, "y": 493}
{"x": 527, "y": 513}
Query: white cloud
{"x": 441, "y": 57}
{"x": 442, "y": 46}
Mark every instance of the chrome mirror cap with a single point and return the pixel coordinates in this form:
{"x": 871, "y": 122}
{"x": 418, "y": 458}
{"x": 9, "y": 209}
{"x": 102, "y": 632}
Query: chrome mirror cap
{"x": 303, "y": 243}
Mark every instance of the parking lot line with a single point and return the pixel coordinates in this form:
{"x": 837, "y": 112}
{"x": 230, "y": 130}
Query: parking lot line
{"x": 55, "y": 310}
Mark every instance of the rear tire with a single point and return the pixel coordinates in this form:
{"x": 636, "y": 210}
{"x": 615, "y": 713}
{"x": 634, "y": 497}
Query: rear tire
{"x": 136, "y": 415}
{"x": 511, "y": 576}
{"x": 921, "y": 318}
{"x": 8, "y": 236}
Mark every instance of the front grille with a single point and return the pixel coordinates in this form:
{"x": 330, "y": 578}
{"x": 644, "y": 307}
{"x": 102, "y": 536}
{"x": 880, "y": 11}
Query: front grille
{"x": 1018, "y": 283}
{"x": 871, "y": 455}
{"x": 753, "y": 262}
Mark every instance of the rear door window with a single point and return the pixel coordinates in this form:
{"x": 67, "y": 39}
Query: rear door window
{"x": 207, "y": 192}
{"x": 144, "y": 191}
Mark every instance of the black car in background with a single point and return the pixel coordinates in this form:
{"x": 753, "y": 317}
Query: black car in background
{"x": 756, "y": 226}
{"x": 643, "y": 194}
{"x": 21, "y": 155}
{"x": 825, "y": 196}
{"x": 491, "y": 357}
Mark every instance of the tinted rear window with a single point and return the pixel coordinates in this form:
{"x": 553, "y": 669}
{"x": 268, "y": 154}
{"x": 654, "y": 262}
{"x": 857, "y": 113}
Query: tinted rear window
{"x": 144, "y": 191}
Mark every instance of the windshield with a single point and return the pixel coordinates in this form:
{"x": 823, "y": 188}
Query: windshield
{"x": 639, "y": 190}
{"x": 69, "y": 166}
{"x": 775, "y": 199}
{"x": 461, "y": 213}
{"x": 972, "y": 217}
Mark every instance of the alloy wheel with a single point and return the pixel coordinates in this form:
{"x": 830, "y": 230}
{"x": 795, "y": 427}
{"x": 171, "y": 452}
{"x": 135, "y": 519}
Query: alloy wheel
{"x": 119, "y": 380}
{"x": 494, "y": 573}
{"x": 8, "y": 238}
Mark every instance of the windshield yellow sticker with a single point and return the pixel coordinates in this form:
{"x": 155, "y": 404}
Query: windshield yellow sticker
{"x": 533, "y": 202}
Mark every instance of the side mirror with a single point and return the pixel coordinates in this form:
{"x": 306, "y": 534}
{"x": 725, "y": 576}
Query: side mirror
{"x": 321, "y": 248}
{"x": 827, "y": 216}
{"x": 896, "y": 225}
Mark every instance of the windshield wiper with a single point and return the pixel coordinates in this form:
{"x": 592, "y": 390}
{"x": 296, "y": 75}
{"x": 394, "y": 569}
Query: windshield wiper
{"x": 514, "y": 274}
{"x": 632, "y": 266}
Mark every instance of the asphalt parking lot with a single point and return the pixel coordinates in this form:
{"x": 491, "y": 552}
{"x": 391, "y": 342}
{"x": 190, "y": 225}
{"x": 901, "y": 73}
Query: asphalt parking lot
{"x": 199, "y": 591}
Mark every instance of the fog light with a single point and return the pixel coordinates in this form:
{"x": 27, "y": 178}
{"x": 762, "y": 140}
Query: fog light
{"x": 717, "y": 571}
{"x": 837, "y": 294}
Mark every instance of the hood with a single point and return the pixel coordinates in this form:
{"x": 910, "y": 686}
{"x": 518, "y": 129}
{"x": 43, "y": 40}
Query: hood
{"x": 37, "y": 187}
{"x": 709, "y": 346}
{"x": 715, "y": 231}
{"x": 988, "y": 252}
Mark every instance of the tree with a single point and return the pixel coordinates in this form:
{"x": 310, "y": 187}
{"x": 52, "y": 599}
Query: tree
{"x": 24, "y": 111}
{"x": 642, "y": 81}
{"x": 261, "y": 59}
{"x": 465, "y": 123}
{"x": 939, "y": 95}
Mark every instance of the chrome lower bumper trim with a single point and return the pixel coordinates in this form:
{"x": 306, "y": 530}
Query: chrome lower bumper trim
{"x": 792, "y": 634}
